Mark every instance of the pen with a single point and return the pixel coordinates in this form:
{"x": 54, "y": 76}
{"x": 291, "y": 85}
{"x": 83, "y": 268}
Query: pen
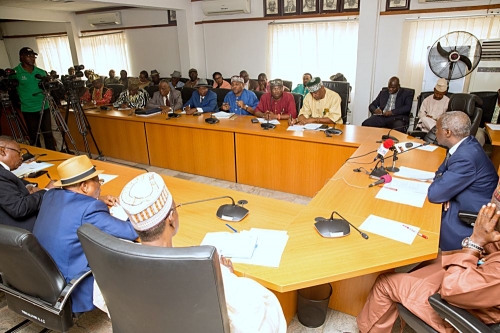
{"x": 418, "y": 233}
{"x": 48, "y": 175}
{"x": 231, "y": 228}
{"x": 389, "y": 188}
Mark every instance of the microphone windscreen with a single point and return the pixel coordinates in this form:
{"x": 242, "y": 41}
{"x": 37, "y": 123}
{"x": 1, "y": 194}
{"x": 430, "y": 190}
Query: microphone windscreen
{"x": 388, "y": 143}
{"x": 387, "y": 178}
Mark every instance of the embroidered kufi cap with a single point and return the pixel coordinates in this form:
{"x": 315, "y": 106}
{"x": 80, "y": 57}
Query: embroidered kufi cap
{"x": 314, "y": 85}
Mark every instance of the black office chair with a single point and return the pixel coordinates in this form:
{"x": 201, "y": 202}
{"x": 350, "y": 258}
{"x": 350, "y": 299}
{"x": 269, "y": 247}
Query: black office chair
{"x": 117, "y": 90}
{"x": 288, "y": 84}
{"x": 259, "y": 94}
{"x": 344, "y": 90}
{"x": 157, "y": 289}
{"x": 298, "y": 101}
{"x": 460, "y": 319}
{"x": 210, "y": 82}
{"x": 151, "y": 90}
{"x": 471, "y": 105}
{"x": 186, "y": 93}
{"x": 221, "y": 93}
{"x": 33, "y": 286}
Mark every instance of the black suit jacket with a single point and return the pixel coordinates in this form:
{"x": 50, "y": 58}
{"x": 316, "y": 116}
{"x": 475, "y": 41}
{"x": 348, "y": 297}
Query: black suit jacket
{"x": 18, "y": 207}
{"x": 404, "y": 100}
{"x": 489, "y": 103}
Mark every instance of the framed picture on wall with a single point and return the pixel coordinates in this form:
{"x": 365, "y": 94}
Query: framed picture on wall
{"x": 310, "y": 6}
{"x": 271, "y": 8}
{"x": 290, "y": 7}
{"x": 397, "y": 5}
{"x": 329, "y": 6}
{"x": 349, "y": 5}
{"x": 172, "y": 17}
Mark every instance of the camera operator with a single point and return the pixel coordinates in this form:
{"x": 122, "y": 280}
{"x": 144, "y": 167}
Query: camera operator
{"x": 31, "y": 105}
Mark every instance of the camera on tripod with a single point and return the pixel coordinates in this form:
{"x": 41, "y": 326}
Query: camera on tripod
{"x": 46, "y": 83}
{"x": 5, "y": 83}
{"x": 71, "y": 82}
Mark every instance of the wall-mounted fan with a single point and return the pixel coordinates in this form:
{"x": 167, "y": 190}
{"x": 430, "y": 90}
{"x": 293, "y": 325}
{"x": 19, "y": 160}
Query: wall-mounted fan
{"x": 455, "y": 55}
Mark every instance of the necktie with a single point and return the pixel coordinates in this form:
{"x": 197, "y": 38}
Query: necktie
{"x": 201, "y": 99}
{"x": 167, "y": 102}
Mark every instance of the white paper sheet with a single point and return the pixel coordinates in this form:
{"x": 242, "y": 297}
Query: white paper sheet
{"x": 390, "y": 229}
{"x": 401, "y": 146}
{"x": 312, "y": 126}
{"x": 118, "y": 212}
{"x": 297, "y": 128}
{"x": 495, "y": 127}
{"x": 415, "y": 174}
{"x": 124, "y": 109}
{"x": 430, "y": 148}
{"x": 107, "y": 178}
{"x": 222, "y": 114}
{"x": 27, "y": 168}
{"x": 405, "y": 192}
{"x": 274, "y": 121}
{"x": 232, "y": 245}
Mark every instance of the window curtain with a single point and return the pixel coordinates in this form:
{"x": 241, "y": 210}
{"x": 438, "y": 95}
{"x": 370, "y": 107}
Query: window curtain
{"x": 424, "y": 33}
{"x": 104, "y": 52}
{"x": 321, "y": 48}
{"x": 54, "y": 54}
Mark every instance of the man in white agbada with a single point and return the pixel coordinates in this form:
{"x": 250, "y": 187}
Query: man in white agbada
{"x": 433, "y": 106}
{"x": 251, "y": 307}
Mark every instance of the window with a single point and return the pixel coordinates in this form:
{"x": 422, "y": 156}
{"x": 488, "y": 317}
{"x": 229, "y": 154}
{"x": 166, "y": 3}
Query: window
{"x": 322, "y": 49}
{"x": 104, "y": 52}
{"x": 54, "y": 54}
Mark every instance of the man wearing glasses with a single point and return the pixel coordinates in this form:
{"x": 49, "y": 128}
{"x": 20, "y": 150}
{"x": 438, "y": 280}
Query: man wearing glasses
{"x": 19, "y": 199}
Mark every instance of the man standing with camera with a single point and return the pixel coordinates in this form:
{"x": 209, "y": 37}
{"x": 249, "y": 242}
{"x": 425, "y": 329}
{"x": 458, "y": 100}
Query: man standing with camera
{"x": 32, "y": 98}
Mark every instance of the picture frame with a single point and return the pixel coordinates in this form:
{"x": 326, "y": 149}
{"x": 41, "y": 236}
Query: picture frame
{"x": 310, "y": 7}
{"x": 272, "y": 7}
{"x": 329, "y": 6}
{"x": 397, "y": 5}
{"x": 290, "y": 7}
{"x": 349, "y": 5}
{"x": 172, "y": 17}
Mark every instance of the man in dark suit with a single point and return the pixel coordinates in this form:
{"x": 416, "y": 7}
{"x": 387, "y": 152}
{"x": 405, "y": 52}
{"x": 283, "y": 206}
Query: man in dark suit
{"x": 202, "y": 98}
{"x": 165, "y": 98}
{"x": 19, "y": 199}
{"x": 391, "y": 108}
{"x": 464, "y": 181}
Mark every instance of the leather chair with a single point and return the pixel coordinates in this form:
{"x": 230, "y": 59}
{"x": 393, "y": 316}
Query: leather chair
{"x": 288, "y": 84}
{"x": 471, "y": 105}
{"x": 152, "y": 89}
{"x": 186, "y": 93}
{"x": 157, "y": 289}
{"x": 489, "y": 99}
{"x": 210, "y": 82}
{"x": 343, "y": 89}
{"x": 33, "y": 286}
{"x": 298, "y": 101}
{"x": 423, "y": 95}
{"x": 459, "y": 318}
{"x": 117, "y": 90}
{"x": 221, "y": 93}
{"x": 258, "y": 94}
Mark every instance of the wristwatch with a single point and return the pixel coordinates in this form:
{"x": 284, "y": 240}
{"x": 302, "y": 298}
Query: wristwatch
{"x": 467, "y": 243}
{"x": 246, "y": 107}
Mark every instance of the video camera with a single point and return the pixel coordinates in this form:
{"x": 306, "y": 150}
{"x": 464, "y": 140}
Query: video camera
{"x": 71, "y": 82}
{"x": 5, "y": 83}
{"x": 47, "y": 83}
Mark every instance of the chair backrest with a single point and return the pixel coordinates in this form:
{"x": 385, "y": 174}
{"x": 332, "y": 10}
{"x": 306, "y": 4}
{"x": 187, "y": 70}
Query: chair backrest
{"x": 186, "y": 93}
{"x": 117, "y": 90}
{"x": 344, "y": 90}
{"x": 258, "y": 94}
{"x": 288, "y": 84}
{"x": 221, "y": 93}
{"x": 298, "y": 101}
{"x": 151, "y": 90}
{"x": 28, "y": 269}
{"x": 157, "y": 289}
{"x": 470, "y": 105}
{"x": 210, "y": 82}
{"x": 489, "y": 99}
{"x": 184, "y": 80}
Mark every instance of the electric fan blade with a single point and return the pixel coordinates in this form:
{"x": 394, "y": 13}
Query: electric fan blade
{"x": 442, "y": 51}
{"x": 466, "y": 61}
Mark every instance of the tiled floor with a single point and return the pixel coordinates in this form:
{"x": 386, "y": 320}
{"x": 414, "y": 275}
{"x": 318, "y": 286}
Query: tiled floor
{"x": 97, "y": 321}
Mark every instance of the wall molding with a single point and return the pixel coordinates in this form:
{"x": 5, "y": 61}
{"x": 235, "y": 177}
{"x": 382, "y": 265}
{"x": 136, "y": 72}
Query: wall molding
{"x": 276, "y": 18}
{"x": 439, "y": 10}
{"x": 54, "y": 34}
{"x": 105, "y": 9}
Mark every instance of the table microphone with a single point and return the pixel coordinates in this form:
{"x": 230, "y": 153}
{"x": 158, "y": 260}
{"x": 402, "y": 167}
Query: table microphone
{"x": 383, "y": 149}
{"x": 267, "y": 125}
{"x": 228, "y": 212}
{"x": 383, "y": 179}
{"x": 327, "y": 227}
{"x": 211, "y": 120}
{"x": 388, "y": 136}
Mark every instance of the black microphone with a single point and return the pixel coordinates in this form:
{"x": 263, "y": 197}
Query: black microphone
{"x": 327, "y": 227}
{"x": 383, "y": 179}
{"x": 388, "y": 136}
{"x": 211, "y": 120}
{"x": 228, "y": 212}
{"x": 267, "y": 125}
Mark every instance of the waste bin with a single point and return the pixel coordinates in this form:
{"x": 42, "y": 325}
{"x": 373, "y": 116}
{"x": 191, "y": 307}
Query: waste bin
{"x": 312, "y": 304}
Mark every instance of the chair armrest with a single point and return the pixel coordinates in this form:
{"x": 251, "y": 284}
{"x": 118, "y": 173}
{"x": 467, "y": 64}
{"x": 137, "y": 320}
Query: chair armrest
{"x": 459, "y": 318}
{"x": 66, "y": 292}
{"x": 417, "y": 134}
{"x": 467, "y": 217}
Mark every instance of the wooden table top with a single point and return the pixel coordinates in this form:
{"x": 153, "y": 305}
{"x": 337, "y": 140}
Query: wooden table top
{"x": 494, "y": 136}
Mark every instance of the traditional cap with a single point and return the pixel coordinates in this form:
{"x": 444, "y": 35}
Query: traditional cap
{"x": 193, "y": 70}
{"x": 146, "y": 200}
{"x": 237, "y": 78}
{"x": 95, "y": 77}
{"x": 76, "y": 170}
{"x": 133, "y": 83}
{"x": 154, "y": 72}
{"x": 276, "y": 82}
{"x": 27, "y": 51}
{"x": 175, "y": 74}
{"x": 202, "y": 83}
{"x": 441, "y": 85}
{"x": 314, "y": 85}
{"x": 338, "y": 77}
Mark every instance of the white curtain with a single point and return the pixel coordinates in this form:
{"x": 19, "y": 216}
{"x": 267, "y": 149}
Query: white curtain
{"x": 321, "y": 48}
{"x": 104, "y": 52}
{"x": 424, "y": 33}
{"x": 54, "y": 54}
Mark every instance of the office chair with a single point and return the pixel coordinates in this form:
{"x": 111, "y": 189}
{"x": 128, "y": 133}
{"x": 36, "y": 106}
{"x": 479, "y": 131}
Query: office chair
{"x": 221, "y": 93}
{"x": 471, "y": 105}
{"x": 258, "y": 94}
{"x": 344, "y": 90}
{"x": 157, "y": 289}
{"x": 459, "y": 318}
{"x": 288, "y": 84}
{"x": 423, "y": 95}
{"x": 117, "y": 90}
{"x": 151, "y": 90}
{"x": 298, "y": 101}
{"x": 33, "y": 285}
{"x": 186, "y": 93}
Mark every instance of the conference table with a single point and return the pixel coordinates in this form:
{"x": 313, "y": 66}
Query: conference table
{"x": 494, "y": 136}
{"x": 350, "y": 264}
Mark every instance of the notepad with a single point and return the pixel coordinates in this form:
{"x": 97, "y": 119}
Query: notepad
{"x": 232, "y": 245}
{"x": 273, "y": 121}
{"x": 27, "y": 168}
{"x": 389, "y": 228}
{"x": 222, "y": 115}
{"x": 416, "y": 174}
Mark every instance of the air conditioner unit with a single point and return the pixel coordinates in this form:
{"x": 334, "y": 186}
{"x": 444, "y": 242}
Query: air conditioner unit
{"x": 486, "y": 77}
{"x": 426, "y": 1}
{"x": 104, "y": 19}
{"x": 225, "y": 7}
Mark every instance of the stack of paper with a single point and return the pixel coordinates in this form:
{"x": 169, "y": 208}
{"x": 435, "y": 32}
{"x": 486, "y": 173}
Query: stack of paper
{"x": 391, "y": 229}
{"x": 27, "y": 168}
{"x": 232, "y": 245}
{"x": 222, "y": 115}
{"x": 298, "y": 128}
{"x": 405, "y": 192}
{"x": 274, "y": 121}
{"x": 416, "y": 174}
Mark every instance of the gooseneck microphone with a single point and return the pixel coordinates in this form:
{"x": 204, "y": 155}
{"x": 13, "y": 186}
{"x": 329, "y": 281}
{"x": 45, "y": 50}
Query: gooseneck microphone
{"x": 228, "y": 212}
{"x": 335, "y": 227}
{"x": 388, "y": 135}
{"x": 383, "y": 179}
{"x": 211, "y": 120}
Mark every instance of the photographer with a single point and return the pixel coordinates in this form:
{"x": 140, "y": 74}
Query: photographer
{"x": 31, "y": 105}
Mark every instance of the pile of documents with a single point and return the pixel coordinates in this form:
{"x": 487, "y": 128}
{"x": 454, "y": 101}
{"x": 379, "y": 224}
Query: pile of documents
{"x": 223, "y": 115}
{"x": 300, "y": 128}
{"x": 27, "y": 168}
{"x": 262, "y": 247}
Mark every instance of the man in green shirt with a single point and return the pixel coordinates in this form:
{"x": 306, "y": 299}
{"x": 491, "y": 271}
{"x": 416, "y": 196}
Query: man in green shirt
{"x": 301, "y": 88}
{"x": 31, "y": 106}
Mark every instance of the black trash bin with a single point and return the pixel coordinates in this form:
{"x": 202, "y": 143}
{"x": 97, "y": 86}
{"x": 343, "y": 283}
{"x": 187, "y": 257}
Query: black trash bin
{"x": 312, "y": 304}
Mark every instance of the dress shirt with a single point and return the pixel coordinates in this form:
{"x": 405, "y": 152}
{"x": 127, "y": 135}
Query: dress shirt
{"x": 455, "y": 146}
{"x": 5, "y": 166}
{"x": 328, "y": 106}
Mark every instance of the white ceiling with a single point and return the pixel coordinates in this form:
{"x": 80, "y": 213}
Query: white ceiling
{"x": 58, "y": 5}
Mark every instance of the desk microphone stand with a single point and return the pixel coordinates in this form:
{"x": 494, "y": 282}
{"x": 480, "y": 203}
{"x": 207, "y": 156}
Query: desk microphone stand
{"x": 393, "y": 168}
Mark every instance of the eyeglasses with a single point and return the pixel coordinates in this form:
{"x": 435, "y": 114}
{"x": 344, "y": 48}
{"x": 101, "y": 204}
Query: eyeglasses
{"x": 100, "y": 181}
{"x": 17, "y": 151}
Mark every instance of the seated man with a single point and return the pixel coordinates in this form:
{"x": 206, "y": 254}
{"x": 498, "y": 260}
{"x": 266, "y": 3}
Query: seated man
{"x": 64, "y": 210}
{"x": 391, "y": 108}
{"x": 19, "y": 199}
{"x": 98, "y": 92}
{"x": 301, "y": 88}
{"x": 175, "y": 80}
{"x": 193, "y": 78}
{"x": 251, "y": 307}
{"x": 459, "y": 277}
{"x": 262, "y": 83}
{"x": 112, "y": 79}
{"x": 219, "y": 82}
{"x": 433, "y": 106}
{"x": 240, "y": 100}
{"x": 165, "y": 98}
{"x": 321, "y": 106}
{"x": 124, "y": 78}
{"x": 132, "y": 97}
{"x": 464, "y": 181}
{"x": 247, "y": 83}
{"x": 202, "y": 98}
{"x": 276, "y": 104}
{"x": 491, "y": 110}
{"x": 155, "y": 78}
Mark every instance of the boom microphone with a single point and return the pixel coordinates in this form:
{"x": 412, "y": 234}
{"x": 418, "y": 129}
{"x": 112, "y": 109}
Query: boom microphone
{"x": 383, "y": 149}
{"x": 383, "y": 179}
{"x": 388, "y": 136}
{"x": 335, "y": 227}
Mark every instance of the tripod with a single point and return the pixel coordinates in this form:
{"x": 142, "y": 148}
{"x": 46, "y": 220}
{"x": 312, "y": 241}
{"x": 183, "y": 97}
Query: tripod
{"x": 62, "y": 126}
{"x": 82, "y": 122}
{"x": 17, "y": 127}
